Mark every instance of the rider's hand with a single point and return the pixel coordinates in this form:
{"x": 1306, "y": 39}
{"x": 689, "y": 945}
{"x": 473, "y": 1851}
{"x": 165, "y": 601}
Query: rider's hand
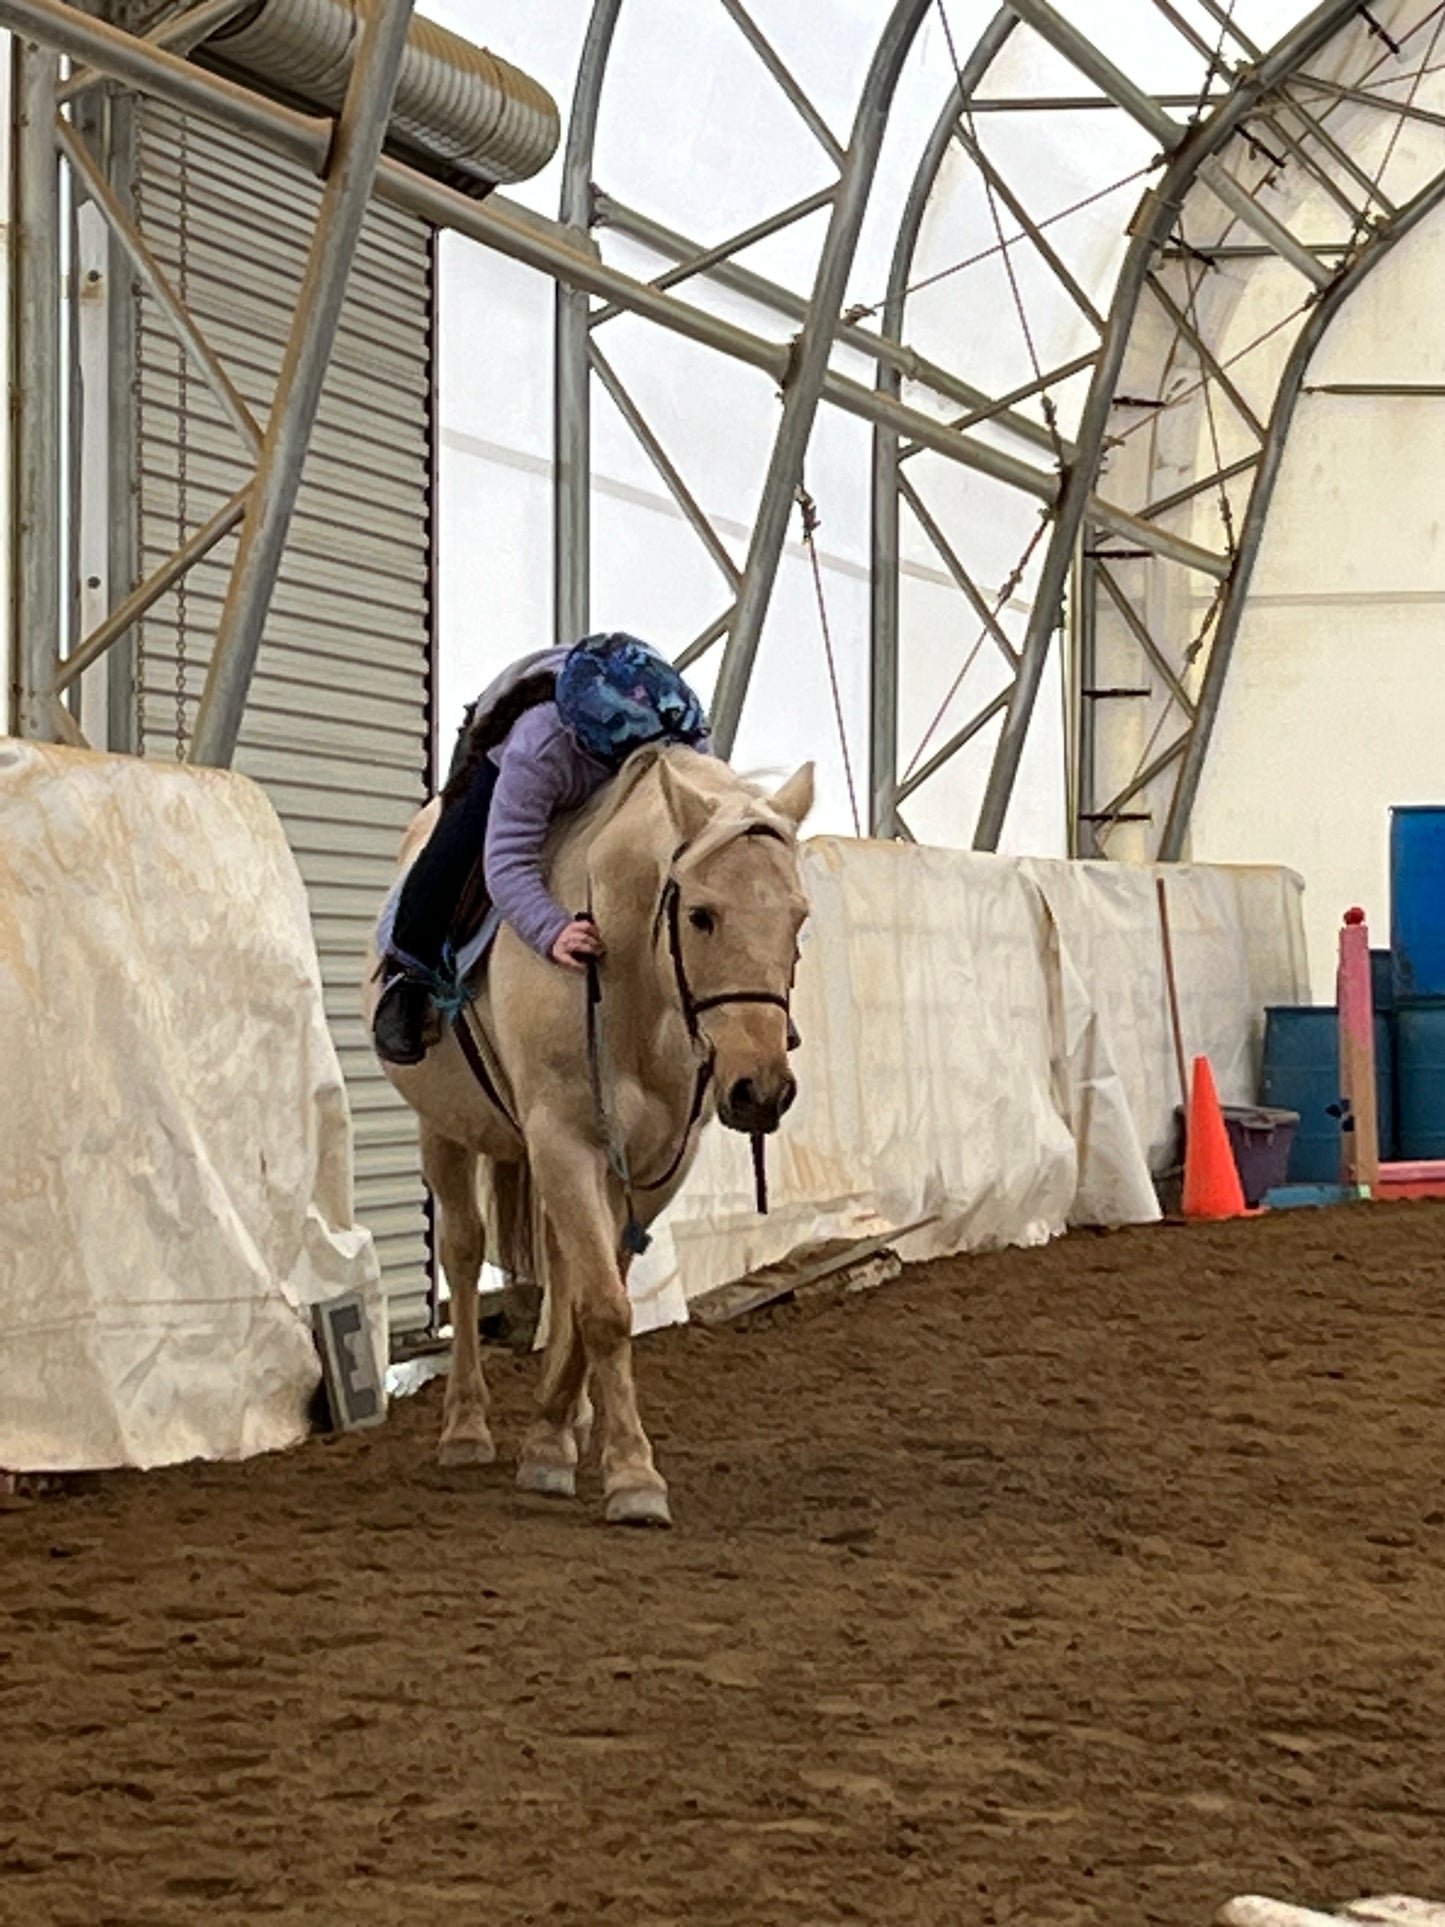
{"x": 577, "y": 943}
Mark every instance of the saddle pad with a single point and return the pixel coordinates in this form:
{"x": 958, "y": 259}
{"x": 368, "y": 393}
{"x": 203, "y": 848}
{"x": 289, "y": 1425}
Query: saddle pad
{"x": 472, "y": 956}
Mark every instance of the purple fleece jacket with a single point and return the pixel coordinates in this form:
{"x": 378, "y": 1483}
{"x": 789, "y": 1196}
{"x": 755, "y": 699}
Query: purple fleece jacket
{"x": 543, "y": 771}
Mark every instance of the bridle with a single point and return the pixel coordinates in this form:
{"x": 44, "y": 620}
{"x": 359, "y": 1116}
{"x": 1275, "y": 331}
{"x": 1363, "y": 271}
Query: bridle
{"x": 669, "y": 915}
{"x": 669, "y": 911}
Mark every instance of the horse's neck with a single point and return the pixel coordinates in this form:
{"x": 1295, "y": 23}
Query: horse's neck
{"x": 627, "y": 859}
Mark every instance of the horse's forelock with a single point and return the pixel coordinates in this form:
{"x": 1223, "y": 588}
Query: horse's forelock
{"x": 742, "y": 816}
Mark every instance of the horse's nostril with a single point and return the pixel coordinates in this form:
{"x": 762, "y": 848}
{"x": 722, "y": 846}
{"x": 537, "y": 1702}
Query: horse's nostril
{"x": 742, "y": 1098}
{"x": 786, "y": 1094}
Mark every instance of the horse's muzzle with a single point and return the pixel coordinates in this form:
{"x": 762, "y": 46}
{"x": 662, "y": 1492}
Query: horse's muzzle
{"x": 758, "y": 1104}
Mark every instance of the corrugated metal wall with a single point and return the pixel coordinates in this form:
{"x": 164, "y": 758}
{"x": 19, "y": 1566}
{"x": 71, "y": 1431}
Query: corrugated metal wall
{"x": 338, "y": 725}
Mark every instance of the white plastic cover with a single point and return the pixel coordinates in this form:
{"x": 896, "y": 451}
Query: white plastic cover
{"x": 175, "y": 1159}
{"x": 986, "y": 1039}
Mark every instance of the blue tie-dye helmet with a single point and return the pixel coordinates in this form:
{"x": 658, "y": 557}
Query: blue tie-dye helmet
{"x": 615, "y": 694}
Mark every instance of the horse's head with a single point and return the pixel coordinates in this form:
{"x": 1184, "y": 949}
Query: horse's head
{"x": 731, "y": 913}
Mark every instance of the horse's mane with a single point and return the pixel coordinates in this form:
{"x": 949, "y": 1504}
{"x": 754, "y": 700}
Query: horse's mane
{"x": 711, "y": 774}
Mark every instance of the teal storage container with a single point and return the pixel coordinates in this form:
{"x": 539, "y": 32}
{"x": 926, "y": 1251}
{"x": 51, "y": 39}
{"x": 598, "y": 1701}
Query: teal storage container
{"x": 1382, "y": 981}
{"x": 1302, "y": 1073}
{"x": 1420, "y": 1077}
{"x": 1417, "y": 901}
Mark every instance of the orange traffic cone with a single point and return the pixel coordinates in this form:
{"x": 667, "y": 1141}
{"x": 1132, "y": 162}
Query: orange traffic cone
{"x": 1211, "y": 1177}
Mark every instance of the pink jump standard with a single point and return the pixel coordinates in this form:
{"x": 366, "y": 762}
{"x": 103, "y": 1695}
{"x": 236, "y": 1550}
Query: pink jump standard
{"x": 1360, "y": 1138}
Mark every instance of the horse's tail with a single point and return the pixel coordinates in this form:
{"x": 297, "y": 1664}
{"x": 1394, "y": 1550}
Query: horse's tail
{"x": 515, "y": 1237}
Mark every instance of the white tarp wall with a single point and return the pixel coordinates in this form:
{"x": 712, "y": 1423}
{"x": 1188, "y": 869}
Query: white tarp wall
{"x": 175, "y": 1149}
{"x": 1016, "y": 1071}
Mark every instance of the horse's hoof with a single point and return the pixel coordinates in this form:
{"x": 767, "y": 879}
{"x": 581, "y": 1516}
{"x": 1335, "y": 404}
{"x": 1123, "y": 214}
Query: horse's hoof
{"x": 552, "y": 1481}
{"x": 466, "y": 1452}
{"x": 638, "y": 1506}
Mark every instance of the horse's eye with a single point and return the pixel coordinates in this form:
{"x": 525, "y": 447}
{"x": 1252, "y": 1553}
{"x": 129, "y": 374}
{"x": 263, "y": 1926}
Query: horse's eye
{"x": 703, "y": 920}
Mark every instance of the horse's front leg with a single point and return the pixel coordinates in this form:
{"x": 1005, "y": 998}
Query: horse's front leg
{"x": 558, "y": 1440}
{"x": 451, "y": 1171}
{"x": 572, "y": 1179}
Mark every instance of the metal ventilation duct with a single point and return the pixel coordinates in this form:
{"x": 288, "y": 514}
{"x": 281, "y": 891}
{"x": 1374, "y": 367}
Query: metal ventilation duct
{"x": 483, "y": 121}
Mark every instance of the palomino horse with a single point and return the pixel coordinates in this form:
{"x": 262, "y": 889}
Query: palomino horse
{"x": 596, "y": 1094}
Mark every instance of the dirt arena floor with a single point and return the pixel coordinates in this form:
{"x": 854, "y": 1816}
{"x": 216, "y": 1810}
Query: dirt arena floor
{"x": 1093, "y": 1584}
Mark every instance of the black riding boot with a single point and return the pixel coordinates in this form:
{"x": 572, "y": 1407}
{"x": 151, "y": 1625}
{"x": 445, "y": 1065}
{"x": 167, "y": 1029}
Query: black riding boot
{"x": 404, "y": 1028}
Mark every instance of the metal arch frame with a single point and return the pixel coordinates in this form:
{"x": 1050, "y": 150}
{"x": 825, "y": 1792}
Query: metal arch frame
{"x": 1186, "y": 754}
{"x": 805, "y": 372}
{"x": 1317, "y": 324}
{"x": 1195, "y": 156}
{"x": 565, "y": 250}
{"x": 887, "y": 490}
{"x": 550, "y": 246}
{"x": 802, "y": 369}
{"x": 812, "y": 348}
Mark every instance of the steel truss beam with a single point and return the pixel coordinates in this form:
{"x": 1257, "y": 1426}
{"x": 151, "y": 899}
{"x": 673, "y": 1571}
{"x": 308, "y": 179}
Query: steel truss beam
{"x": 910, "y": 364}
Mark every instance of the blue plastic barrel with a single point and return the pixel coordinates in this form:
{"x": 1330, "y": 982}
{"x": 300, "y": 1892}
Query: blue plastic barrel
{"x": 1302, "y": 1073}
{"x": 1417, "y": 901}
{"x": 1382, "y": 980}
{"x": 1420, "y": 1075}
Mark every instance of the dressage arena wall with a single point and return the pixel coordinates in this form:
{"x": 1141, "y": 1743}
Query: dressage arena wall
{"x": 986, "y": 1041}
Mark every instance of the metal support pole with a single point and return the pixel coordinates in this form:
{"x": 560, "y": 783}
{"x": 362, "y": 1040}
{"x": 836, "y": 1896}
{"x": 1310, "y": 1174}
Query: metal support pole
{"x": 783, "y": 75}
{"x": 809, "y": 368}
{"x": 884, "y": 641}
{"x": 178, "y": 34}
{"x": 571, "y": 375}
{"x": 1231, "y": 615}
{"x": 883, "y": 653}
{"x": 151, "y": 69}
{"x": 943, "y": 548}
{"x": 1209, "y": 364}
{"x": 122, "y": 479}
{"x": 35, "y": 392}
{"x": 1085, "y": 613}
{"x": 357, "y": 149}
{"x": 704, "y": 260}
{"x": 1187, "y": 163}
{"x": 681, "y": 494}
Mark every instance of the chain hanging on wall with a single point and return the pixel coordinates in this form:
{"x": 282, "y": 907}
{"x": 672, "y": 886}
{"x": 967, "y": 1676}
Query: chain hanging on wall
{"x": 183, "y": 437}
{"x": 135, "y": 296}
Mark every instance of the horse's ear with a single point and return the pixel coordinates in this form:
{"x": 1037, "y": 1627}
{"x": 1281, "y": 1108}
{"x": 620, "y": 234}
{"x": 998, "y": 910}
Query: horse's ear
{"x": 688, "y": 808}
{"x": 795, "y": 799}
